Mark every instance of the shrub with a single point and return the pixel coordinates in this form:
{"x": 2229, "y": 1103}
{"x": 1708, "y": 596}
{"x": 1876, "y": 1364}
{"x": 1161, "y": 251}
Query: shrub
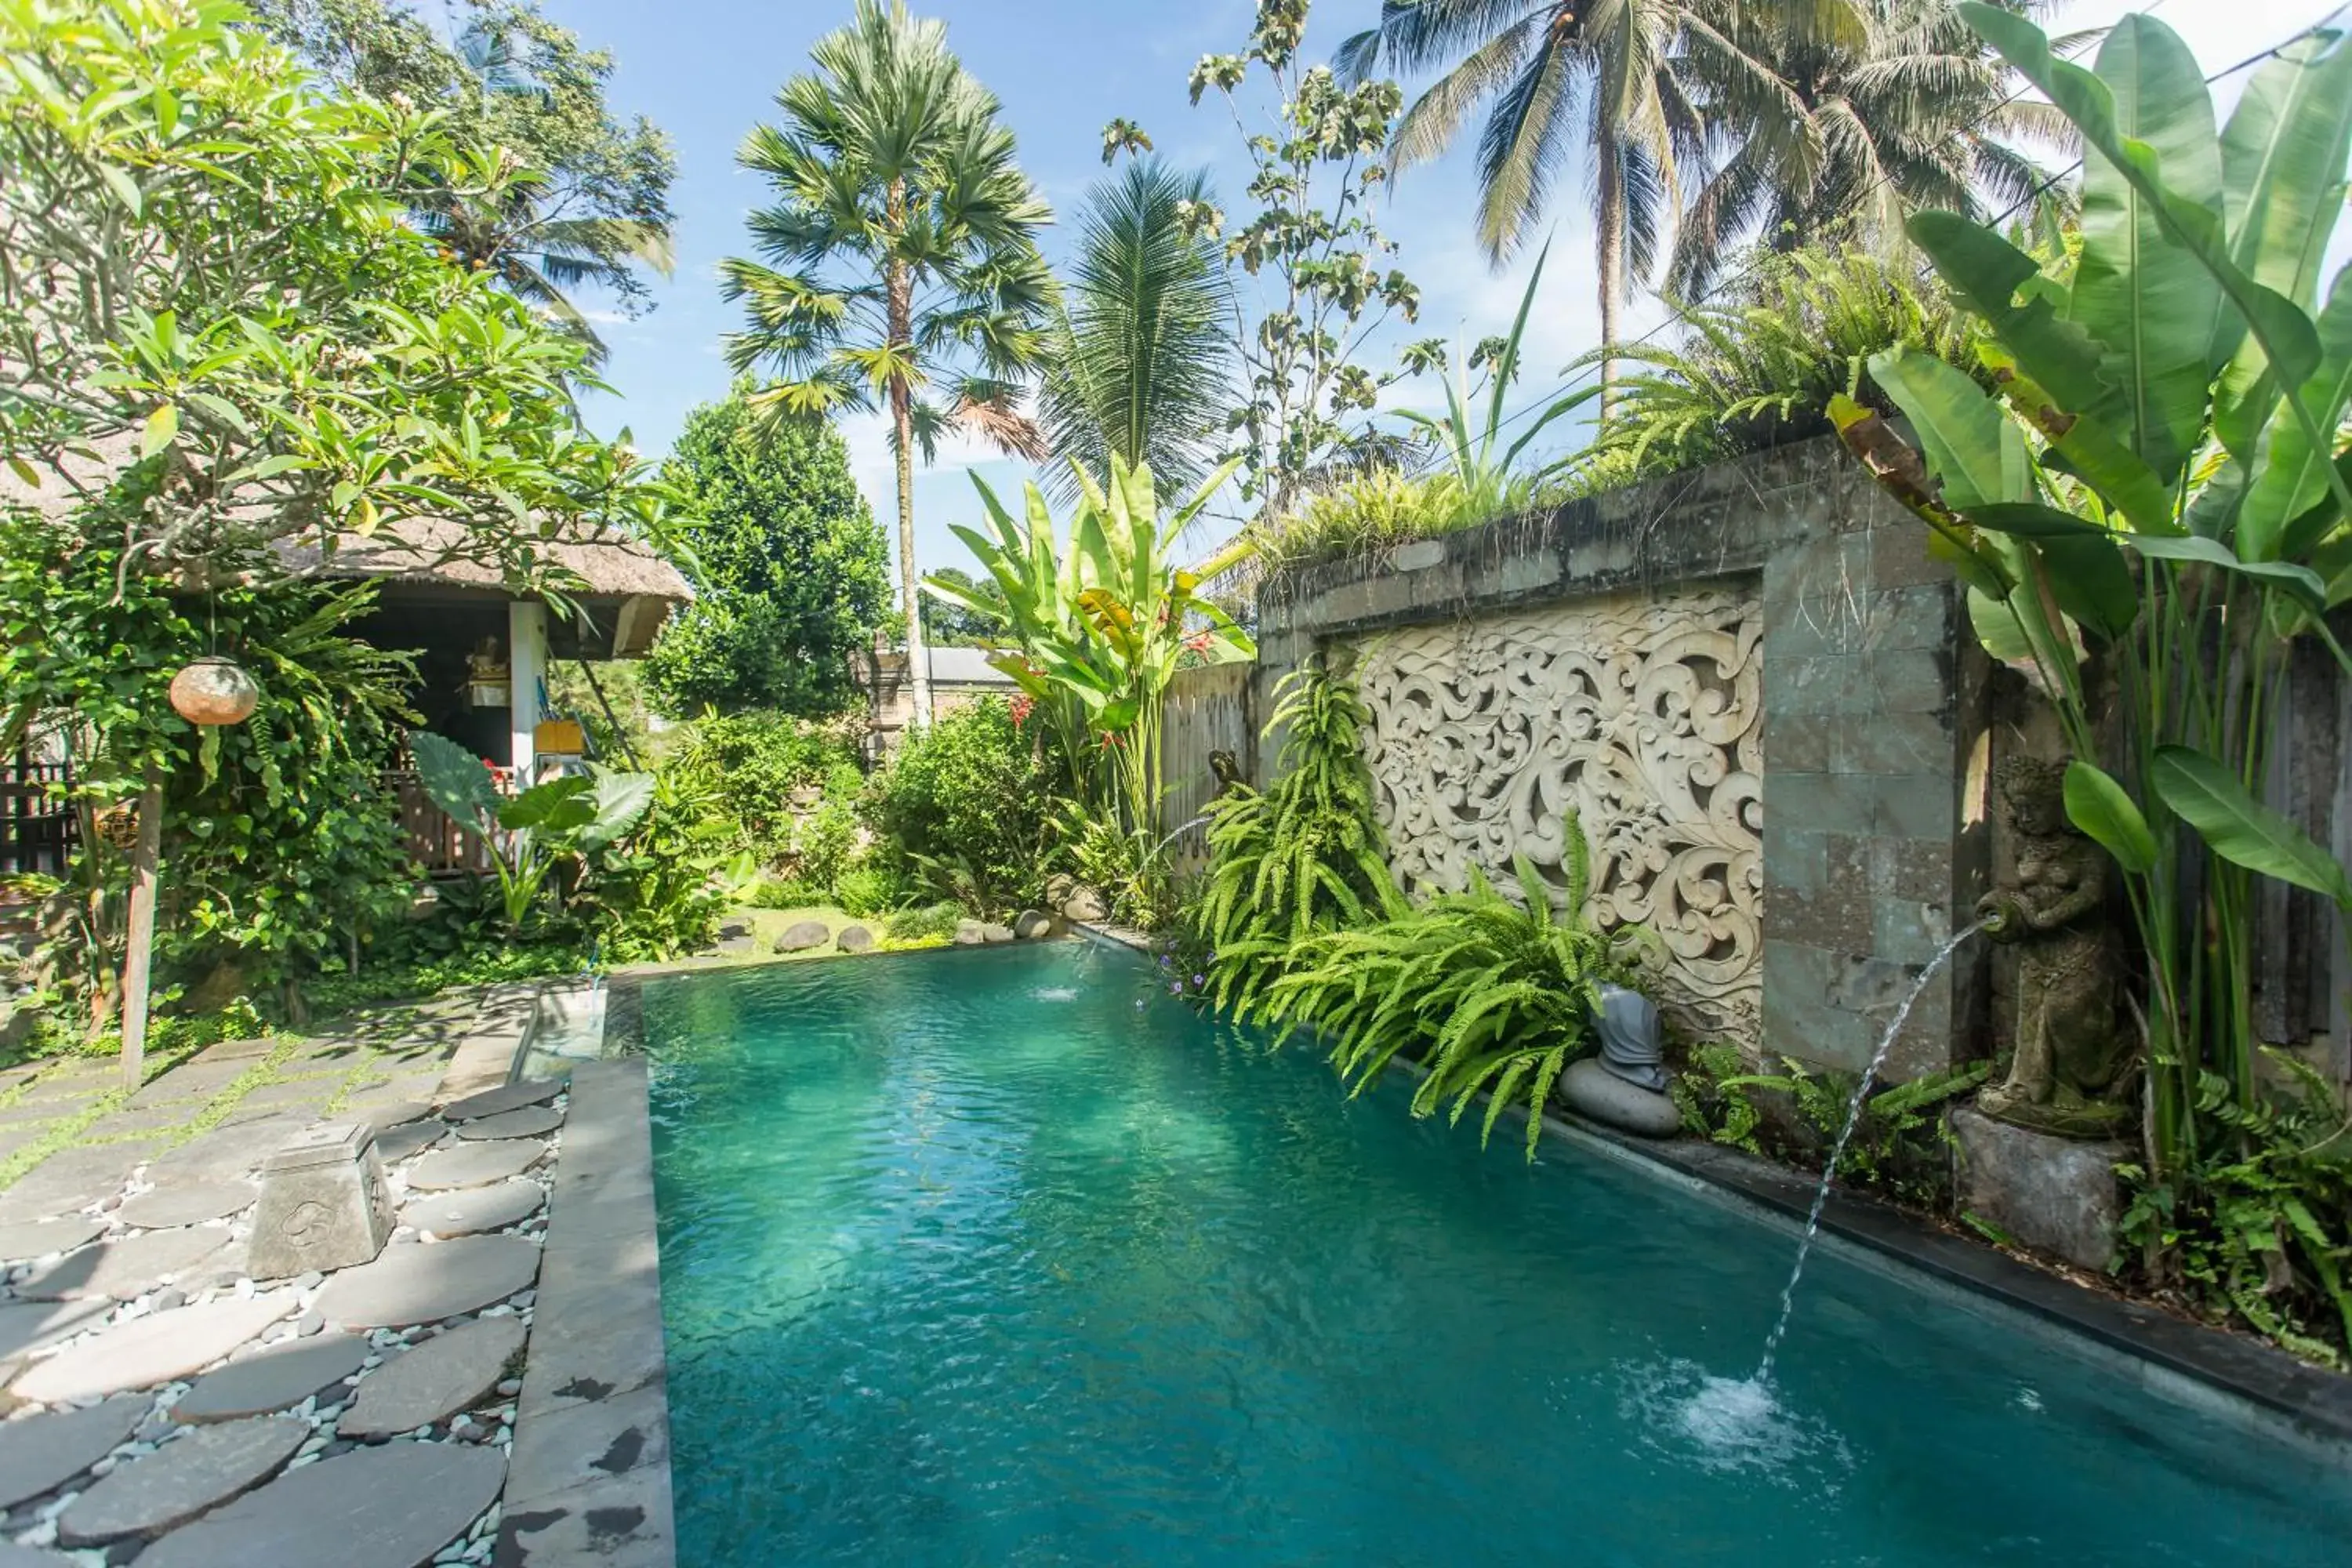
{"x": 925, "y": 922}
{"x": 869, "y": 891}
{"x": 964, "y": 806}
{"x": 747, "y": 766}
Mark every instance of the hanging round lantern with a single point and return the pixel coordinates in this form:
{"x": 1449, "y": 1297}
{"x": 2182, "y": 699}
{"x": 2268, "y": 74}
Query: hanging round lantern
{"x": 214, "y": 690}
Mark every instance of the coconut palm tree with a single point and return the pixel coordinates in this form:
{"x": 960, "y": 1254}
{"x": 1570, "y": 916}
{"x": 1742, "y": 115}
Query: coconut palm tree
{"x": 1560, "y": 78}
{"x": 898, "y": 264}
{"x": 1842, "y": 133}
{"x": 1142, "y": 357}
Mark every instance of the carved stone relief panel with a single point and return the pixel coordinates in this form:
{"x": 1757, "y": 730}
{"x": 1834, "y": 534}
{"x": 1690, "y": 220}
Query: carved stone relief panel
{"x": 1640, "y": 714}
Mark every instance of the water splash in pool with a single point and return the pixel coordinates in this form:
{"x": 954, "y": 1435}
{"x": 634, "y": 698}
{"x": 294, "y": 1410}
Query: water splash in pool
{"x": 1845, "y": 1135}
{"x": 1732, "y": 1425}
{"x": 1055, "y": 994}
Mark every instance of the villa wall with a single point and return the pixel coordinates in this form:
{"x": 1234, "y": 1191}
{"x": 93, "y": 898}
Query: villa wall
{"x": 1751, "y": 685}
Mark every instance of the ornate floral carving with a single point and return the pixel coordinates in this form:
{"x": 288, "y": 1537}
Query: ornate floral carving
{"x": 1643, "y": 715}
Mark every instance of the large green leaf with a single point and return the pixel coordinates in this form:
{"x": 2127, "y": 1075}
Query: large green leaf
{"x": 2294, "y": 473}
{"x": 2283, "y": 165}
{"x": 2097, "y": 804}
{"x": 1992, "y": 277}
{"x": 2298, "y": 583}
{"x": 1970, "y": 444}
{"x": 620, "y": 800}
{"x": 557, "y": 806}
{"x": 2241, "y": 829}
{"x": 2149, "y": 304}
{"x": 458, "y": 780}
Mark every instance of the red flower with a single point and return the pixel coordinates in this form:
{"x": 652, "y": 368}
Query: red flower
{"x": 1022, "y": 705}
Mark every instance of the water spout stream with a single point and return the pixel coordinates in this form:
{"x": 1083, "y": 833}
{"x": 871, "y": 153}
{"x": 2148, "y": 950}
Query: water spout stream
{"x": 1845, "y": 1135}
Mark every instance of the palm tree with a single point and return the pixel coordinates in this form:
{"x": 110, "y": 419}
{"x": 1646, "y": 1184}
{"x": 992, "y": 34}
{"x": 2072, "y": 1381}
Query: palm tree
{"x": 1559, "y": 76}
{"x": 899, "y": 263}
{"x": 1842, "y": 133}
{"x": 1141, "y": 365}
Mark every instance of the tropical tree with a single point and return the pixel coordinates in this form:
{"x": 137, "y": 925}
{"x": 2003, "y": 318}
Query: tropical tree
{"x": 1838, "y": 132}
{"x": 1556, "y": 77}
{"x": 899, "y": 262}
{"x": 1142, "y": 359}
{"x": 791, "y": 571}
{"x": 562, "y": 194}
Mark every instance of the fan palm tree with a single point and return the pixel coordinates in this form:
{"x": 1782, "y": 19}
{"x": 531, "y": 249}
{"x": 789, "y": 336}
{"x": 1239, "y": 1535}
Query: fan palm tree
{"x": 1559, "y": 76}
{"x": 899, "y": 265}
{"x": 1141, "y": 362}
{"x": 1844, "y": 133}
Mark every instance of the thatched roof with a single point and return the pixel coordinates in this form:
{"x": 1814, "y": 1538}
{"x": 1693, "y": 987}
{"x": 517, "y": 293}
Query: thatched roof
{"x": 419, "y": 551}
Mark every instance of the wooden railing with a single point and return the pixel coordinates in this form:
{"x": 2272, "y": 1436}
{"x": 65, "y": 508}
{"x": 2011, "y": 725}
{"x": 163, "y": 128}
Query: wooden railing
{"x": 38, "y": 828}
{"x": 434, "y": 838}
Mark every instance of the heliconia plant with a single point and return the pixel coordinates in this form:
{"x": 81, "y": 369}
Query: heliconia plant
{"x": 1098, "y": 626}
{"x": 2156, "y": 482}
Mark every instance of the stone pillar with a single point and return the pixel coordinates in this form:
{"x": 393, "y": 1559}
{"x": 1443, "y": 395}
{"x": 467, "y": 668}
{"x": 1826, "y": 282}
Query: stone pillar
{"x": 526, "y": 657}
{"x": 323, "y": 1203}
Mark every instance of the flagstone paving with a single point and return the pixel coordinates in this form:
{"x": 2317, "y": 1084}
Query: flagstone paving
{"x": 161, "y": 1403}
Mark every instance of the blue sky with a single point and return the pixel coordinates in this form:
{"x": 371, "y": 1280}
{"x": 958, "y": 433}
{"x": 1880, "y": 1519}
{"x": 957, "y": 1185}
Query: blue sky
{"x": 707, "y": 70}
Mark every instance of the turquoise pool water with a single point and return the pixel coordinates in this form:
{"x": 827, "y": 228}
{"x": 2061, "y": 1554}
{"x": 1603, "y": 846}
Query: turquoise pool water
{"x": 1003, "y": 1257}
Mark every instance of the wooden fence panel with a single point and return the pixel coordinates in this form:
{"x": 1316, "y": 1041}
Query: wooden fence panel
{"x": 1207, "y": 710}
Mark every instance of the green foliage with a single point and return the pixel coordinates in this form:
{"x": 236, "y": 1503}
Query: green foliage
{"x": 2263, "y": 1231}
{"x": 539, "y": 834}
{"x": 970, "y": 613}
{"x": 1758, "y": 364}
{"x": 259, "y": 352}
{"x": 1304, "y": 859}
{"x": 924, "y": 922}
{"x": 655, "y": 890}
{"x": 1100, "y": 624}
{"x": 870, "y": 892}
{"x": 1142, "y": 356}
{"x": 965, "y": 807}
{"x": 1127, "y": 866}
{"x": 789, "y": 568}
{"x": 477, "y": 965}
{"x": 1318, "y": 163}
{"x": 1490, "y": 995}
{"x": 749, "y": 765}
{"x": 591, "y": 201}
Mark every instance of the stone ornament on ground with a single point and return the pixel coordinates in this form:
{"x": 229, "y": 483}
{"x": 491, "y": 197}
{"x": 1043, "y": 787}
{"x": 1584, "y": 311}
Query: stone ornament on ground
{"x": 532, "y": 1122}
{"x": 277, "y": 1378}
{"x": 183, "y": 1478}
{"x": 802, "y": 935}
{"x": 474, "y": 1164}
{"x": 393, "y": 1506}
{"x": 425, "y": 1386}
{"x": 151, "y": 1350}
{"x": 38, "y": 1453}
{"x": 505, "y": 1098}
{"x": 473, "y": 1210}
{"x": 415, "y": 1283}
{"x": 323, "y": 1203}
{"x": 855, "y": 939}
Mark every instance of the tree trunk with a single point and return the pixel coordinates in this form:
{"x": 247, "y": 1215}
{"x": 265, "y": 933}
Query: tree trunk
{"x": 918, "y": 666}
{"x": 138, "y": 948}
{"x": 1609, "y": 238}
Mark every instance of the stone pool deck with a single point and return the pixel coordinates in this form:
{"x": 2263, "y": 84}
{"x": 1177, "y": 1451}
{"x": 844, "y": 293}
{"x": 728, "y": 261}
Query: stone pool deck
{"x": 487, "y": 1389}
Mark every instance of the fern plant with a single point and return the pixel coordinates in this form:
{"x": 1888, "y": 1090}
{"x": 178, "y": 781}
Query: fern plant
{"x": 1492, "y": 996}
{"x": 1303, "y": 857}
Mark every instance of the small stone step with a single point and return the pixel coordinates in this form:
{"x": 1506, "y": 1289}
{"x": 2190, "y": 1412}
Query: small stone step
{"x": 147, "y": 1351}
{"x": 131, "y": 1267}
{"x": 41, "y": 1453}
{"x": 474, "y": 1164}
{"x": 532, "y": 1122}
{"x": 393, "y": 1506}
{"x": 30, "y": 1239}
{"x": 475, "y": 1210}
{"x": 424, "y": 1284}
{"x": 277, "y": 1378}
{"x": 187, "y": 1203}
{"x": 433, "y": 1382}
{"x": 186, "y": 1477}
{"x": 505, "y": 1097}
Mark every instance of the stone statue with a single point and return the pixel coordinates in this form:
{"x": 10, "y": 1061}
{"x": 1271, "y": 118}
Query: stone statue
{"x": 486, "y": 664}
{"x": 2071, "y": 1055}
{"x": 1227, "y": 769}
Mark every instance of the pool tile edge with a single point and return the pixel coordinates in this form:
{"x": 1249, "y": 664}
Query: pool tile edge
{"x": 589, "y": 1479}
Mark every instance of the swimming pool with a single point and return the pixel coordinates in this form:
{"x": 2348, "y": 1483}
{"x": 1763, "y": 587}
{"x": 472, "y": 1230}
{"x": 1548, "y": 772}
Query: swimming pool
{"x": 1001, "y": 1257}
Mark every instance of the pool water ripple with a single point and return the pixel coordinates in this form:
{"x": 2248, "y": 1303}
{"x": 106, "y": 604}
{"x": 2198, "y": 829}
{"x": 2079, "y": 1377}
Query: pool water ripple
{"x": 967, "y": 1259}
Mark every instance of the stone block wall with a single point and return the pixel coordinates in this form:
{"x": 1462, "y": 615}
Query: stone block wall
{"x": 1872, "y": 745}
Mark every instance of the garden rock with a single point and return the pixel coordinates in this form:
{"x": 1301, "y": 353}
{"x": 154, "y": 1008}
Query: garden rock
{"x": 802, "y": 935}
{"x": 428, "y": 1384}
{"x": 1031, "y": 924}
{"x": 29, "y": 1239}
{"x": 475, "y": 1164}
{"x": 503, "y": 1098}
{"x": 476, "y": 1209}
{"x": 968, "y": 933}
{"x": 123, "y": 1270}
{"x": 182, "y": 1479}
{"x": 1086, "y": 904}
{"x": 40, "y": 1452}
{"x": 187, "y": 1203}
{"x": 532, "y": 1122}
{"x": 2053, "y": 1193}
{"x": 388, "y": 1507}
{"x": 994, "y": 934}
{"x": 855, "y": 939}
{"x": 151, "y": 1350}
{"x": 421, "y": 1284}
{"x": 1592, "y": 1090}
{"x": 278, "y": 1378}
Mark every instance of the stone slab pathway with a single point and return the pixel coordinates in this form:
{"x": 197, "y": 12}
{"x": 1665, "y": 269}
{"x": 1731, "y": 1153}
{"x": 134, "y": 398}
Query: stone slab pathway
{"x": 127, "y": 1268}
{"x": 276, "y": 1379}
{"x": 475, "y": 1164}
{"x": 39, "y": 1451}
{"x": 151, "y": 1350}
{"x": 182, "y": 1479}
{"x": 429, "y": 1383}
{"x": 37, "y": 1238}
{"x": 532, "y": 1122}
{"x": 388, "y": 1507}
{"x": 187, "y": 1203}
{"x": 424, "y": 1284}
{"x": 476, "y": 1209}
{"x": 498, "y": 1101}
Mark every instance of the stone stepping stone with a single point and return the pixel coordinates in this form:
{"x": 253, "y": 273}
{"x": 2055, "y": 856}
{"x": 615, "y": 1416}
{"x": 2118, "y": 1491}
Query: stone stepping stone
{"x": 276, "y": 1379}
{"x": 474, "y": 1165}
{"x": 196, "y": 1080}
{"x": 476, "y": 1209}
{"x": 505, "y": 1098}
{"x": 185, "y": 1477}
{"x": 243, "y": 1052}
{"x": 29, "y": 1239}
{"x": 131, "y": 1267}
{"x": 420, "y": 1284}
{"x": 414, "y": 1137}
{"x": 528, "y": 1122}
{"x": 428, "y": 1384}
{"x": 41, "y": 1453}
{"x": 393, "y": 1506}
{"x": 187, "y": 1203}
{"x": 15, "y": 1556}
{"x": 27, "y": 1327}
{"x": 147, "y": 1351}
{"x": 227, "y": 1151}
{"x": 73, "y": 1179}
{"x": 383, "y": 1113}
